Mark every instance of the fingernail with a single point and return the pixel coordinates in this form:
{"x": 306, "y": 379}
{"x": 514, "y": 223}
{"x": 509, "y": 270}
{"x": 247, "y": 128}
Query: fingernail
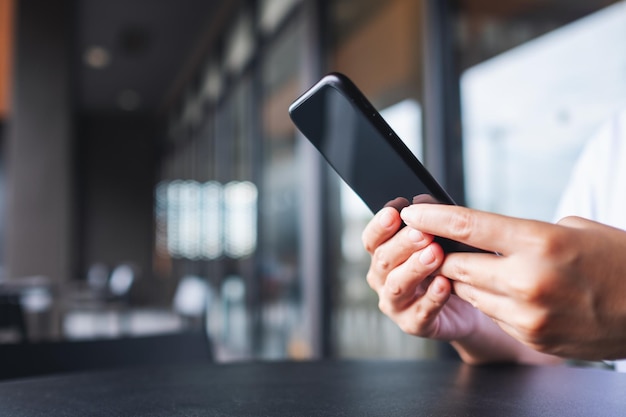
{"x": 398, "y": 203}
{"x": 427, "y": 256}
{"x": 438, "y": 288}
{"x": 386, "y": 219}
{"x": 416, "y": 236}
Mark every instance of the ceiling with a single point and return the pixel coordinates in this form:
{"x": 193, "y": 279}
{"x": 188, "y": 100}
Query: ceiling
{"x": 145, "y": 44}
{"x": 545, "y": 8}
{"x": 140, "y": 46}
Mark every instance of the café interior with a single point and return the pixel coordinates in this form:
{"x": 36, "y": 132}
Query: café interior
{"x": 157, "y": 202}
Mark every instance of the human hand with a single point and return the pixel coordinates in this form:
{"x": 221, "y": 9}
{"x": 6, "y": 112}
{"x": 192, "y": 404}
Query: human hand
{"x": 559, "y": 289}
{"x": 403, "y": 274}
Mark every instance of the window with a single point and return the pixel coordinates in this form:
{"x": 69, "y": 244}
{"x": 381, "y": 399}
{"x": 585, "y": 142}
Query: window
{"x": 528, "y": 108}
{"x": 378, "y": 45}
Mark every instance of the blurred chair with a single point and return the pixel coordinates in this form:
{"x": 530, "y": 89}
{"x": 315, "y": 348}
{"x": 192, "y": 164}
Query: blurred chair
{"x": 20, "y": 360}
{"x": 12, "y": 322}
{"x": 98, "y": 278}
{"x": 37, "y": 304}
{"x": 121, "y": 281}
{"x": 101, "y": 287}
{"x": 191, "y": 300}
{"x": 102, "y": 299}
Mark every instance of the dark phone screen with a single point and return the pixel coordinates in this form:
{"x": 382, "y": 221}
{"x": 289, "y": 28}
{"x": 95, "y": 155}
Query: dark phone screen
{"x": 352, "y": 144}
{"x": 364, "y": 150}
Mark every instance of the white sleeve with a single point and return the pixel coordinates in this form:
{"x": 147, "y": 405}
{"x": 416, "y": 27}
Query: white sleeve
{"x": 597, "y": 185}
{"x": 578, "y": 196}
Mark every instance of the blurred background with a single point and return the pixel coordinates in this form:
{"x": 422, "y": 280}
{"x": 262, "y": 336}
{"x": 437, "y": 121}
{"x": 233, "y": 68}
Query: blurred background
{"x": 151, "y": 181}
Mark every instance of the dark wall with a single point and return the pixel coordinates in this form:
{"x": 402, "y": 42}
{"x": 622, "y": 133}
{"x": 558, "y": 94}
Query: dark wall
{"x": 38, "y": 145}
{"x": 116, "y": 160}
{"x": 2, "y": 194}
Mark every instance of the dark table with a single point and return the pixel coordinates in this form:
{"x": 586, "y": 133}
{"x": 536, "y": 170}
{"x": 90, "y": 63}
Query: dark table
{"x": 327, "y": 388}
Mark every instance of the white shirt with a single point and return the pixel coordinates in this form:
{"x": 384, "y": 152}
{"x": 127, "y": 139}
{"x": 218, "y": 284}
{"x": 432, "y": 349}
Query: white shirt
{"x": 597, "y": 186}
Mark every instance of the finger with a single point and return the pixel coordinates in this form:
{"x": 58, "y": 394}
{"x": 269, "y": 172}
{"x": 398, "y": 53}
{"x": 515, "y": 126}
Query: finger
{"x": 401, "y": 286}
{"x": 398, "y": 203}
{"x": 382, "y": 227}
{"x": 580, "y": 223}
{"x": 498, "y": 307}
{"x": 486, "y": 271}
{"x": 394, "y": 252}
{"x": 575, "y": 222}
{"x": 424, "y": 198}
{"x": 488, "y": 231}
{"x": 429, "y": 306}
{"x": 422, "y": 317}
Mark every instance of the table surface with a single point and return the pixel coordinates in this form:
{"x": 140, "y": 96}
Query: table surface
{"x": 325, "y": 388}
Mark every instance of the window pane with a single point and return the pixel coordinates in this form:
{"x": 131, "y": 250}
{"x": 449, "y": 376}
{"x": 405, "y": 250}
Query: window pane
{"x": 527, "y": 111}
{"x": 378, "y": 45}
{"x": 279, "y": 200}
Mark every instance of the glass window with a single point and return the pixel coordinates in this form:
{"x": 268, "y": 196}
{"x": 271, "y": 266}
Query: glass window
{"x": 535, "y": 86}
{"x": 240, "y": 43}
{"x": 231, "y": 199}
{"x": 273, "y": 12}
{"x": 279, "y": 199}
{"x": 379, "y": 46}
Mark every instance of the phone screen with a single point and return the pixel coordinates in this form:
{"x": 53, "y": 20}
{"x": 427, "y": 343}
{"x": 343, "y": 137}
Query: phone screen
{"x": 366, "y": 153}
{"x": 361, "y": 147}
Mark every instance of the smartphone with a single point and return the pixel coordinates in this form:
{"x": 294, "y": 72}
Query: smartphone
{"x": 363, "y": 149}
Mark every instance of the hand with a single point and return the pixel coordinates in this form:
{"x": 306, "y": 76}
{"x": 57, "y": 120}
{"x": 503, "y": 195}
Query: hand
{"x": 560, "y": 289}
{"x": 403, "y": 273}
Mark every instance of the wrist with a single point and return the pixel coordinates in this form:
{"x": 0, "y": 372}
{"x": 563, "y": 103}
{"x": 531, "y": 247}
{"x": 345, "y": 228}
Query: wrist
{"x": 488, "y": 343}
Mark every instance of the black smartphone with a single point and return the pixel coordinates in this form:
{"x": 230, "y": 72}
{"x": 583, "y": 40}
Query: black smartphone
{"x": 363, "y": 149}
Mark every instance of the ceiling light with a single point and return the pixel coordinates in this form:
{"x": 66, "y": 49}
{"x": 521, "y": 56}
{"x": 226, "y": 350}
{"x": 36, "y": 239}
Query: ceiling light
{"x": 97, "y": 57}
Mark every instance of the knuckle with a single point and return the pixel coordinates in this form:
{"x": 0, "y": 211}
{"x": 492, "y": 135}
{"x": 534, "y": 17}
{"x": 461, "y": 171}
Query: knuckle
{"x": 549, "y": 246}
{"x": 425, "y": 315}
{"x": 385, "y": 307}
{"x": 457, "y": 270}
{"x": 411, "y": 266}
{"x": 553, "y": 244}
{"x": 416, "y": 267}
{"x": 467, "y": 293}
{"x": 535, "y": 327}
{"x": 380, "y": 259}
{"x": 382, "y": 306}
{"x": 367, "y": 243}
{"x": 524, "y": 290}
{"x": 408, "y": 327}
{"x": 372, "y": 279}
{"x": 394, "y": 285}
{"x": 536, "y": 289}
{"x": 540, "y": 346}
{"x": 461, "y": 226}
{"x": 535, "y": 292}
